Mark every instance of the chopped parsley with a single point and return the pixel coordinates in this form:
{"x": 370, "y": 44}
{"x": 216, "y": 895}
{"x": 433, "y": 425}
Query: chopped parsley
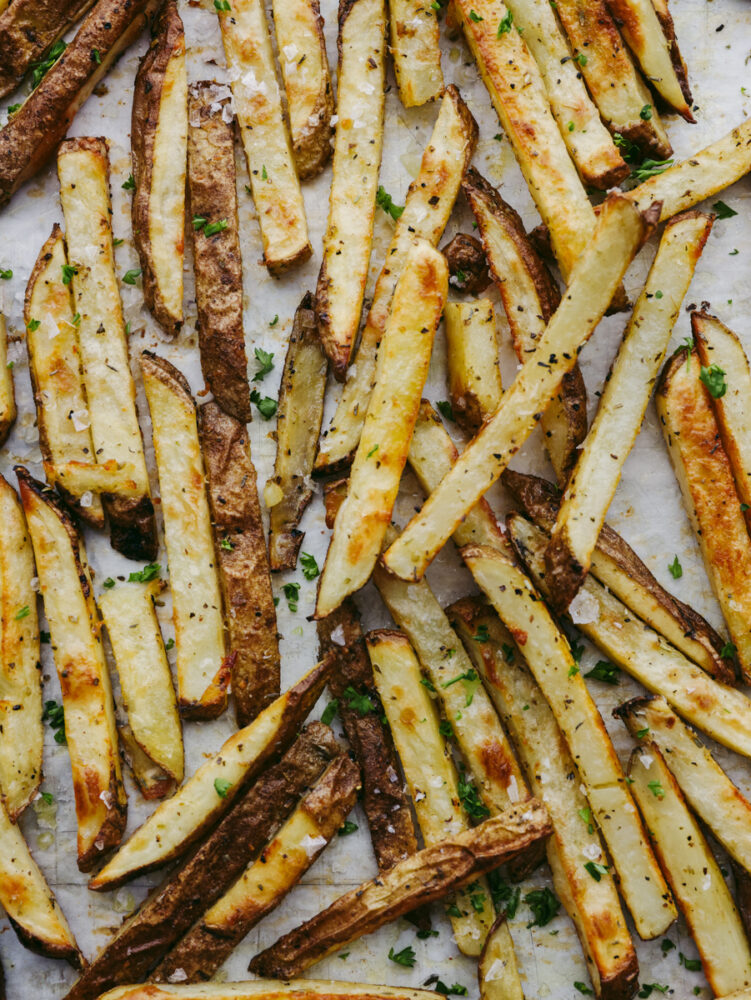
{"x": 713, "y": 378}
{"x": 723, "y": 211}
{"x": 22, "y": 613}
{"x": 33, "y": 325}
{"x": 347, "y": 828}
{"x": 605, "y": 671}
{"x": 474, "y": 807}
{"x": 292, "y": 592}
{"x": 55, "y": 715}
{"x": 692, "y": 964}
{"x": 475, "y": 17}
{"x": 360, "y": 703}
{"x": 728, "y": 651}
{"x": 386, "y": 202}
{"x": 222, "y": 5}
{"x": 445, "y": 409}
{"x": 226, "y": 544}
{"x": 40, "y": 68}
{"x": 266, "y": 405}
{"x": 650, "y": 168}
{"x": 581, "y": 59}
{"x": 68, "y": 271}
{"x": 221, "y": 787}
{"x": 646, "y": 113}
{"x": 481, "y": 635}
{"x": 675, "y": 568}
{"x": 505, "y": 24}
{"x": 471, "y": 683}
{"x": 6, "y": 274}
{"x": 309, "y": 566}
{"x": 505, "y": 897}
{"x": 656, "y": 789}
{"x": 215, "y": 227}
{"x": 275, "y": 320}
{"x": 149, "y": 572}
{"x": 583, "y": 988}
{"x": 596, "y": 870}
{"x": 544, "y": 905}
{"x": 266, "y": 361}
{"x": 372, "y": 451}
{"x": 130, "y": 184}
{"x": 130, "y": 277}
{"x": 586, "y": 815}
{"x": 405, "y": 957}
{"x": 330, "y": 711}
{"x": 109, "y": 583}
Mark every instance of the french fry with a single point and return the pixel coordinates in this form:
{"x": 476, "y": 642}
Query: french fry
{"x": 430, "y": 874}
{"x": 258, "y": 106}
{"x": 693, "y": 873}
{"x": 549, "y": 658}
{"x": 402, "y": 368}
{"x": 54, "y": 366}
{"x": 267, "y": 879}
{"x": 207, "y": 795}
{"x": 202, "y": 669}
{"x": 474, "y": 375}
{"x": 21, "y": 734}
{"x": 530, "y": 296}
{"x": 720, "y": 711}
{"x": 217, "y": 259}
{"x": 298, "y": 425}
{"x": 415, "y": 34}
{"x": 152, "y": 780}
{"x": 430, "y": 772}
{"x": 90, "y": 731}
{"x": 307, "y": 82}
{"x": 705, "y": 476}
{"x": 592, "y": 485}
{"x": 596, "y": 276}
{"x": 109, "y": 477}
{"x": 83, "y": 169}
{"x": 593, "y": 906}
{"x": 357, "y": 159}
{"x": 145, "y": 678}
{"x": 270, "y": 989}
{"x": 159, "y": 139}
{"x": 427, "y": 207}
{"x": 7, "y": 393}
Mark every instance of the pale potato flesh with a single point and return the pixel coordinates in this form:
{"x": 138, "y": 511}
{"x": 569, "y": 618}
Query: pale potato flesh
{"x": 474, "y": 375}
{"x": 415, "y": 35}
{"x": 7, "y": 393}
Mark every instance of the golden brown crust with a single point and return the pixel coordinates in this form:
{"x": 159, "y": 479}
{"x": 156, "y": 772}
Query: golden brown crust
{"x": 334, "y": 493}
{"x": 311, "y": 146}
{"x": 240, "y": 543}
{"x": 217, "y": 257}
{"x": 666, "y": 22}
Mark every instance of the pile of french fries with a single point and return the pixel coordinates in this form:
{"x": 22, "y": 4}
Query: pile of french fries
{"x": 471, "y": 736}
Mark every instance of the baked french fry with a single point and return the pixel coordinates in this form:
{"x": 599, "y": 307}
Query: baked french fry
{"x": 7, "y": 393}
{"x": 474, "y": 375}
{"x": 109, "y": 477}
{"x": 270, "y": 989}
{"x": 152, "y": 780}
{"x": 415, "y": 35}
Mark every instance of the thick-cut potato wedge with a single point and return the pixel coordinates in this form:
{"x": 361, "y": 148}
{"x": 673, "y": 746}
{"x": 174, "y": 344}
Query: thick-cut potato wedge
{"x": 592, "y": 485}
{"x": 29, "y": 902}
{"x": 267, "y": 880}
{"x": 593, "y": 906}
{"x": 474, "y": 375}
{"x": 648, "y": 30}
{"x": 717, "y": 345}
{"x": 270, "y": 989}
{"x": 712, "y": 169}
{"x": 429, "y": 770}
{"x": 596, "y": 276}
{"x": 152, "y": 780}
{"x": 530, "y": 296}
{"x": 357, "y": 159}
{"x": 83, "y": 168}
{"x": 307, "y": 81}
{"x": 202, "y": 670}
{"x": 145, "y": 678}
{"x": 217, "y": 259}
{"x": 109, "y": 477}
{"x": 7, "y": 392}
{"x": 720, "y": 711}
{"x": 31, "y": 136}
{"x": 589, "y": 143}
{"x": 427, "y": 207}
{"x": 623, "y": 98}
{"x": 706, "y": 787}
{"x": 73, "y": 619}
{"x": 705, "y": 476}
{"x": 547, "y": 653}
{"x": 429, "y": 875}
{"x": 619, "y": 568}
{"x": 171, "y": 910}
{"x": 384, "y": 796}
{"x": 497, "y": 975}
{"x": 159, "y": 144}
{"x": 298, "y": 426}
{"x": 54, "y": 366}
{"x": 29, "y": 31}
{"x": 240, "y": 547}
{"x": 694, "y": 875}
{"x": 415, "y": 34}
{"x": 21, "y": 734}
{"x": 403, "y": 360}
{"x": 263, "y": 131}
{"x": 197, "y": 805}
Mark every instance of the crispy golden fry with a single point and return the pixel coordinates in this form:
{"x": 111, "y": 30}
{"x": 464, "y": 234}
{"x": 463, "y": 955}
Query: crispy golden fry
{"x": 203, "y": 672}
{"x": 430, "y": 772}
{"x": 428, "y": 205}
{"x": 216, "y": 250}
{"x": 549, "y": 658}
{"x": 240, "y": 546}
{"x": 357, "y": 159}
{"x": 307, "y": 81}
{"x": 73, "y": 619}
{"x": 415, "y": 35}
{"x": 258, "y": 106}
{"x": 530, "y": 296}
{"x": 270, "y": 989}
{"x": 21, "y": 735}
{"x": 145, "y": 678}
{"x": 694, "y": 875}
{"x": 705, "y": 476}
{"x": 83, "y": 168}
{"x": 474, "y": 375}
{"x": 720, "y": 711}
{"x": 109, "y": 477}
{"x": 205, "y": 797}
{"x": 7, "y": 392}
{"x": 267, "y": 879}
{"x": 402, "y": 368}
{"x": 597, "y": 275}
{"x": 425, "y": 877}
{"x": 298, "y": 425}
{"x": 159, "y": 141}
{"x": 592, "y": 905}
{"x": 592, "y": 485}
{"x": 31, "y": 136}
